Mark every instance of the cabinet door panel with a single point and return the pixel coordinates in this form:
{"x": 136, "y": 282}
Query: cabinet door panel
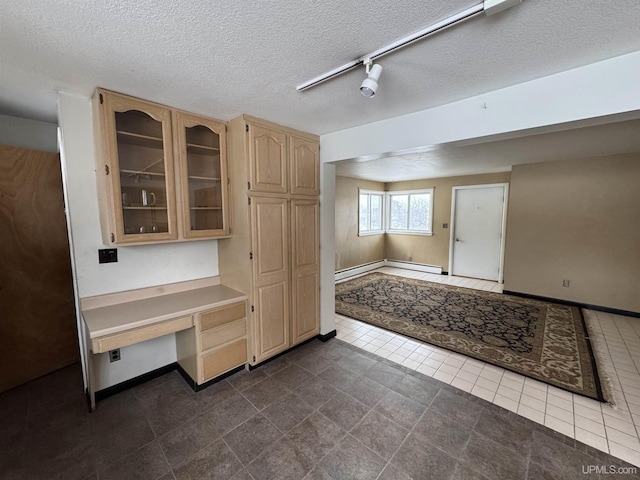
{"x": 305, "y": 298}
{"x": 305, "y": 226}
{"x": 139, "y": 156}
{"x": 304, "y": 166}
{"x": 306, "y": 306}
{"x": 201, "y": 148}
{"x": 272, "y": 320}
{"x": 270, "y": 232}
{"x": 270, "y": 244}
{"x": 268, "y": 160}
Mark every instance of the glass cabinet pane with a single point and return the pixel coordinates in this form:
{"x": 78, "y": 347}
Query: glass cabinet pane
{"x": 204, "y": 179}
{"x": 143, "y": 176}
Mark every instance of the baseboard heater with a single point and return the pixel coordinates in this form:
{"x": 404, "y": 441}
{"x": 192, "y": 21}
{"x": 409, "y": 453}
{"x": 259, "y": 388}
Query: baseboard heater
{"x": 367, "y": 267}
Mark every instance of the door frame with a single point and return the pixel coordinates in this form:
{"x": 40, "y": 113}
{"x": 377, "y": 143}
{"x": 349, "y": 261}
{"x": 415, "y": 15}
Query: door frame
{"x": 505, "y": 186}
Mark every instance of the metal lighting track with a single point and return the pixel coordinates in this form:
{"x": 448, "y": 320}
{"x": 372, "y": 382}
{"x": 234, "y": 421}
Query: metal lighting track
{"x": 496, "y": 5}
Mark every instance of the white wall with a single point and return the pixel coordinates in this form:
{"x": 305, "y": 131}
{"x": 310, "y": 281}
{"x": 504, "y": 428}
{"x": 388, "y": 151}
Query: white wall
{"x": 327, "y": 247}
{"x": 137, "y": 266}
{"x": 601, "y": 89}
{"x": 31, "y": 134}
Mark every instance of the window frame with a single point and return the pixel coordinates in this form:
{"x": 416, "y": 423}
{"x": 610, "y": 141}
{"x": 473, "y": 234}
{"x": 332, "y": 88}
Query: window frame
{"x": 409, "y": 193}
{"x": 369, "y": 193}
{"x": 386, "y": 212}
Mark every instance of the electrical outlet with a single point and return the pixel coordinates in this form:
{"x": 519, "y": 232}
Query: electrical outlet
{"x": 114, "y": 355}
{"x": 565, "y": 283}
{"x": 107, "y": 255}
{"x": 409, "y": 258}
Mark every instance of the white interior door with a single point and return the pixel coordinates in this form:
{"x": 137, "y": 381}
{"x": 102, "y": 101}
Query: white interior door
{"x": 477, "y": 231}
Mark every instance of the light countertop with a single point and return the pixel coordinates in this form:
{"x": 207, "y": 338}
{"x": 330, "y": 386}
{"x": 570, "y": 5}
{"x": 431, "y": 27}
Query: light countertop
{"x": 107, "y": 320}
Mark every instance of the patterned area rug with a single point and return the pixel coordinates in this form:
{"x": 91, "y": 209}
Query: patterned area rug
{"x": 541, "y": 340}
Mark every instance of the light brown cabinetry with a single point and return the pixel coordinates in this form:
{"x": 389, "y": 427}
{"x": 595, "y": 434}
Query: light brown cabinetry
{"x": 271, "y": 273}
{"x": 274, "y": 255}
{"x": 267, "y": 160}
{"x": 162, "y": 172}
{"x": 202, "y": 161}
{"x": 216, "y": 345}
{"x": 304, "y": 170}
{"x": 305, "y": 271}
{"x": 208, "y": 319}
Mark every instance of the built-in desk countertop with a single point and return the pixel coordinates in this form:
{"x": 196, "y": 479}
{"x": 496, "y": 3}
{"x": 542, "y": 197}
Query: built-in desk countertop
{"x": 125, "y": 318}
{"x": 110, "y": 319}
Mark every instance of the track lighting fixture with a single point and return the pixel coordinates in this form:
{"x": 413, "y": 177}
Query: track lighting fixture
{"x": 370, "y": 84}
{"x": 489, "y": 7}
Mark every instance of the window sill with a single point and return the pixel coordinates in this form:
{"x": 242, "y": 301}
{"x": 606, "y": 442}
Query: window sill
{"x": 369, "y": 234}
{"x": 410, "y": 232}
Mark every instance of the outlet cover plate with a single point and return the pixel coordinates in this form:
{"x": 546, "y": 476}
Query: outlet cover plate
{"x": 114, "y": 355}
{"x": 107, "y": 255}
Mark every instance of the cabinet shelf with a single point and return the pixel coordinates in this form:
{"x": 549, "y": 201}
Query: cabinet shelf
{"x": 143, "y": 208}
{"x": 205, "y": 208}
{"x": 139, "y": 139}
{"x": 205, "y": 179}
{"x": 202, "y": 149}
{"x": 133, "y": 173}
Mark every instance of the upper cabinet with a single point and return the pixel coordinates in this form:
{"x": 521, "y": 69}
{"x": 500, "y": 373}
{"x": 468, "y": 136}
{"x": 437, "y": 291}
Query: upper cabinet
{"x": 163, "y": 172}
{"x": 304, "y": 172}
{"x": 202, "y": 150}
{"x": 267, "y": 160}
{"x": 282, "y": 163}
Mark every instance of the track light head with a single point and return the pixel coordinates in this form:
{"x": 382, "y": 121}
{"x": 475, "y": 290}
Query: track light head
{"x": 369, "y": 85}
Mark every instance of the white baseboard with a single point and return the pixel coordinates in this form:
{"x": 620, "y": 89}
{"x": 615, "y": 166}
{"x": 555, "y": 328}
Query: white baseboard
{"x": 420, "y": 267}
{"x": 358, "y": 270}
{"x": 367, "y": 267}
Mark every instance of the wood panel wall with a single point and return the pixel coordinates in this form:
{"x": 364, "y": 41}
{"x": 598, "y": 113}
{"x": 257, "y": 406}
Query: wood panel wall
{"x": 37, "y": 317}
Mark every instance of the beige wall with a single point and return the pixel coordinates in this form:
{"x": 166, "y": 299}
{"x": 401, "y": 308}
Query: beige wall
{"x": 434, "y": 250}
{"x": 577, "y": 220}
{"x": 350, "y": 249}
{"x": 580, "y": 221}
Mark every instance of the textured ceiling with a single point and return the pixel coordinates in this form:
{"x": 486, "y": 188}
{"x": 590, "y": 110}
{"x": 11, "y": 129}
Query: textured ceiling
{"x": 223, "y": 58}
{"x": 497, "y": 156}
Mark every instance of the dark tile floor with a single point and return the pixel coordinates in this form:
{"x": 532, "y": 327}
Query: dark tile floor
{"x": 322, "y": 411}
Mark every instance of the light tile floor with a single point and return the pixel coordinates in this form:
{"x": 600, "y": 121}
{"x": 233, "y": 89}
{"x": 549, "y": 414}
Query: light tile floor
{"x": 616, "y": 338}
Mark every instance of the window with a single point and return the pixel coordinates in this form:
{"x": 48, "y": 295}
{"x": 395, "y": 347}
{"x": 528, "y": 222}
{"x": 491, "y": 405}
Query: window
{"x": 371, "y": 211}
{"x": 410, "y": 211}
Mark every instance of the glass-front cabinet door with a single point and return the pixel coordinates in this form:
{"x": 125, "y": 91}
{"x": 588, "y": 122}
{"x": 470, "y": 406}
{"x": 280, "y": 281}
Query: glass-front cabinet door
{"x": 201, "y": 146}
{"x": 141, "y": 170}
{"x": 162, "y": 172}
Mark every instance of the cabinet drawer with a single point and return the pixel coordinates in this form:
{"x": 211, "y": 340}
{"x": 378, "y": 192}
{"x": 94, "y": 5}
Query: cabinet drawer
{"x": 224, "y": 334}
{"x": 140, "y": 334}
{"x": 220, "y": 316}
{"x": 224, "y": 359}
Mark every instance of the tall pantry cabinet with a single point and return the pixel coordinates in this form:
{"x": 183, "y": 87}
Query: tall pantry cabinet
{"x": 273, "y": 254}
